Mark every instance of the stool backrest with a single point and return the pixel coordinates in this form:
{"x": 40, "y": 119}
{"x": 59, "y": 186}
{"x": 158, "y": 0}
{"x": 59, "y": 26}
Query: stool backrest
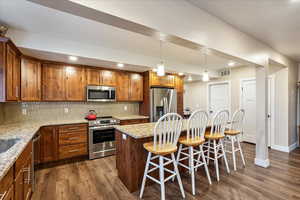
{"x": 237, "y": 120}
{"x": 219, "y": 122}
{"x": 196, "y": 125}
{"x": 167, "y": 130}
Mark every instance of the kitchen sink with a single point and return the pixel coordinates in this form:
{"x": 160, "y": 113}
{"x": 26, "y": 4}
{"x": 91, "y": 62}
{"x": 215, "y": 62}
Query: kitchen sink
{"x": 6, "y": 144}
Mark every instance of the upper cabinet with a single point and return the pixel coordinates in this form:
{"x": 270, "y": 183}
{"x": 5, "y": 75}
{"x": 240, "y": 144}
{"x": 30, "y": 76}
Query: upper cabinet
{"x": 53, "y": 81}
{"x": 101, "y": 77}
{"x": 10, "y": 62}
{"x": 136, "y": 87}
{"x": 129, "y": 86}
{"x": 161, "y": 81}
{"x": 30, "y": 79}
{"x": 108, "y": 78}
{"x": 75, "y": 83}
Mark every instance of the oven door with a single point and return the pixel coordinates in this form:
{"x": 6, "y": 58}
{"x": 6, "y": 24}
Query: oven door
{"x": 101, "y": 142}
{"x": 101, "y": 93}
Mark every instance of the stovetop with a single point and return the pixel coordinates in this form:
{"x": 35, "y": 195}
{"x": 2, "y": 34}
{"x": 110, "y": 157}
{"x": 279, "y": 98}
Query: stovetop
{"x": 104, "y": 121}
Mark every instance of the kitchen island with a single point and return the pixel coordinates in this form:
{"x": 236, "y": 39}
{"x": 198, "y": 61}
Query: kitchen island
{"x": 131, "y": 155}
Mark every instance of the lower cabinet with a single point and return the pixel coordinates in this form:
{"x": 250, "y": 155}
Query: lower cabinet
{"x": 10, "y": 194}
{"x": 48, "y": 144}
{"x": 133, "y": 121}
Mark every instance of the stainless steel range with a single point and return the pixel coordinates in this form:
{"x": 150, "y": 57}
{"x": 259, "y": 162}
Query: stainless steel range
{"x": 102, "y": 137}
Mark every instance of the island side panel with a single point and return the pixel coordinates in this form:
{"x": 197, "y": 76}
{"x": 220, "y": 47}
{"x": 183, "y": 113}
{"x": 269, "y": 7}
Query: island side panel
{"x": 131, "y": 160}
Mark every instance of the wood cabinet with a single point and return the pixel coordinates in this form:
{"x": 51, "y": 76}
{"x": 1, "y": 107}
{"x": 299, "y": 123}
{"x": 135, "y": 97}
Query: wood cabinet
{"x": 93, "y": 76}
{"x": 75, "y": 83}
{"x": 53, "y": 81}
{"x": 30, "y": 79}
{"x": 134, "y": 121}
{"x": 49, "y": 144}
{"x": 180, "y": 91}
{"x": 6, "y": 184}
{"x": 10, "y": 194}
{"x": 136, "y": 87}
{"x": 161, "y": 81}
{"x": 37, "y": 149}
{"x": 13, "y": 62}
{"x": 123, "y": 86}
{"x": 108, "y": 78}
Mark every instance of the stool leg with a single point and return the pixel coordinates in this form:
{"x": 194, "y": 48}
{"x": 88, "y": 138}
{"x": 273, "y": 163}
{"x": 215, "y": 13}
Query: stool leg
{"x": 178, "y": 175}
{"x": 208, "y": 152}
{"x": 241, "y": 151}
{"x": 205, "y": 165}
{"x": 216, "y": 160}
{"x": 191, "y": 166}
{"x": 178, "y": 157}
{"x": 224, "y": 156}
{"x": 233, "y": 152}
{"x": 145, "y": 174}
{"x": 162, "y": 177}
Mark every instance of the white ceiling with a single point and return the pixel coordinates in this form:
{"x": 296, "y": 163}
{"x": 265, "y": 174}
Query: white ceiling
{"x": 274, "y": 22}
{"x": 35, "y": 20}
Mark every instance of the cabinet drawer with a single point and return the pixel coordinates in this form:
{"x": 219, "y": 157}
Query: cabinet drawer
{"x": 23, "y": 158}
{"x": 72, "y": 138}
{"x": 73, "y": 128}
{"x": 6, "y": 181}
{"x": 69, "y": 151}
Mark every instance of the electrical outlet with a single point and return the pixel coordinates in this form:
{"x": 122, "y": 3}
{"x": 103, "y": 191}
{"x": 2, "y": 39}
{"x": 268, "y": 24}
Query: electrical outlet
{"x": 66, "y": 110}
{"x": 125, "y": 108}
{"x": 24, "y": 111}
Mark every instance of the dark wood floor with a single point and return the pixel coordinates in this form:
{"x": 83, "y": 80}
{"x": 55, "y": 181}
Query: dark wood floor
{"x": 97, "y": 179}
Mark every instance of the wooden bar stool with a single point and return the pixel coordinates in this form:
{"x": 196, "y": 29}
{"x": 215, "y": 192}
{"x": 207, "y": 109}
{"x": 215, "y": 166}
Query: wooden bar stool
{"x": 196, "y": 126}
{"x": 216, "y": 136}
{"x": 166, "y": 133}
{"x": 233, "y": 134}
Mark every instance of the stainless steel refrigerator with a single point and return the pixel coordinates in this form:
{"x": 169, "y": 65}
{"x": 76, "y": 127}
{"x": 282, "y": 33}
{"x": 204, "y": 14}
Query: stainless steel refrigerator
{"x": 162, "y": 101}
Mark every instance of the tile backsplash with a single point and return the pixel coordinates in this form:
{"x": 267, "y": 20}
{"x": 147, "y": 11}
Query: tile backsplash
{"x": 40, "y": 111}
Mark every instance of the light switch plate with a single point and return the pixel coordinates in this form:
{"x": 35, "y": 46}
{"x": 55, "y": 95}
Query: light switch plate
{"x": 125, "y": 108}
{"x": 66, "y": 110}
{"x": 124, "y": 137}
{"x": 24, "y": 111}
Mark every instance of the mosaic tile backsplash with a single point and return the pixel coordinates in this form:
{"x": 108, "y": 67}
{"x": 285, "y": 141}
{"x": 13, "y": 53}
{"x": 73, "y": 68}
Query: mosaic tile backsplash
{"x": 41, "y": 111}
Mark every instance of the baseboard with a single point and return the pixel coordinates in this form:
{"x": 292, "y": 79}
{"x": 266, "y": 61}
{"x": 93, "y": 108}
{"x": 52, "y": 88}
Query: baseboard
{"x": 262, "y": 163}
{"x": 285, "y": 148}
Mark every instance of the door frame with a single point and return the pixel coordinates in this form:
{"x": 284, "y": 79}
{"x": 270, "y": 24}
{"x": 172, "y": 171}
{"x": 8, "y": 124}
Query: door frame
{"x": 217, "y": 83}
{"x": 271, "y": 133}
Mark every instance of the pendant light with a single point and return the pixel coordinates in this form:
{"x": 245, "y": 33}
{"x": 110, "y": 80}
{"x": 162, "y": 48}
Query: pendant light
{"x": 160, "y": 66}
{"x": 205, "y": 75}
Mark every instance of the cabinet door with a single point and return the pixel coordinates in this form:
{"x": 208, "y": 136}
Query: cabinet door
{"x": 37, "y": 149}
{"x": 27, "y": 179}
{"x": 10, "y": 194}
{"x": 49, "y": 144}
{"x": 136, "y": 87}
{"x": 53, "y": 79}
{"x": 12, "y": 75}
{"x": 30, "y": 80}
{"x": 19, "y": 188}
{"x": 154, "y": 79}
{"x": 167, "y": 81}
{"x": 108, "y": 78}
{"x": 179, "y": 83}
{"x": 123, "y": 86}
{"x": 75, "y": 83}
{"x": 92, "y": 77}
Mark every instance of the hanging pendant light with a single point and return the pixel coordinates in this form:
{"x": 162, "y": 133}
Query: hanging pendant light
{"x": 205, "y": 75}
{"x": 160, "y": 66}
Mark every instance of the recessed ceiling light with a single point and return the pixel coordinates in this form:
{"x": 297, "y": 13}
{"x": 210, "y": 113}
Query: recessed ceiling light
{"x": 231, "y": 63}
{"x": 73, "y": 58}
{"x": 120, "y": 65}
{"x": 180, "y": 73}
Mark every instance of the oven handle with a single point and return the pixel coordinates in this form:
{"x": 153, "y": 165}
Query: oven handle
{"x": 101, "y": 128}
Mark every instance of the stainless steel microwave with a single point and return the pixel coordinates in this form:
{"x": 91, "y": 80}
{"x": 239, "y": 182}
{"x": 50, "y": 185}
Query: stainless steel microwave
{"x": 100, "y": 93}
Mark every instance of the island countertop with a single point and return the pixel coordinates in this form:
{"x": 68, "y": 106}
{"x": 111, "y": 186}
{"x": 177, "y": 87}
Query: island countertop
{"x": 144, "y": 130}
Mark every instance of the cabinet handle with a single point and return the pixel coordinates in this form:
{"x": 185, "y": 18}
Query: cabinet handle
{"x": 75, "y": 150}
{"x": 17, "y": 91}
{"x": 3, "y": 195}
{"x": 74, "y": 138}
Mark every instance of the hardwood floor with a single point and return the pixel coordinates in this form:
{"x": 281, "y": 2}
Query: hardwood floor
{"x": 97, "y": 179}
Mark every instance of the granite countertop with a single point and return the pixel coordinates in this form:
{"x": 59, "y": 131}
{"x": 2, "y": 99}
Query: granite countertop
{"x": 144, "y": 130}
{"x": 129, "y": 117}
{"x": 24, "y": 131}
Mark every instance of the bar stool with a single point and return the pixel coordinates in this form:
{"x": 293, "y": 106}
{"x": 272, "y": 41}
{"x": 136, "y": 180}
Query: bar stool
{"x": 216, "y": 136}
{"x": 166, "y": 133}
{"x": 233, "y": 133}
{"x": 196, "y": 126}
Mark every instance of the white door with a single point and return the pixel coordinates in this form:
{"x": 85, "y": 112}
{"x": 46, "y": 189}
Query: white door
{"x": 218, "y": 97}
{"x": 248, "y": 103}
